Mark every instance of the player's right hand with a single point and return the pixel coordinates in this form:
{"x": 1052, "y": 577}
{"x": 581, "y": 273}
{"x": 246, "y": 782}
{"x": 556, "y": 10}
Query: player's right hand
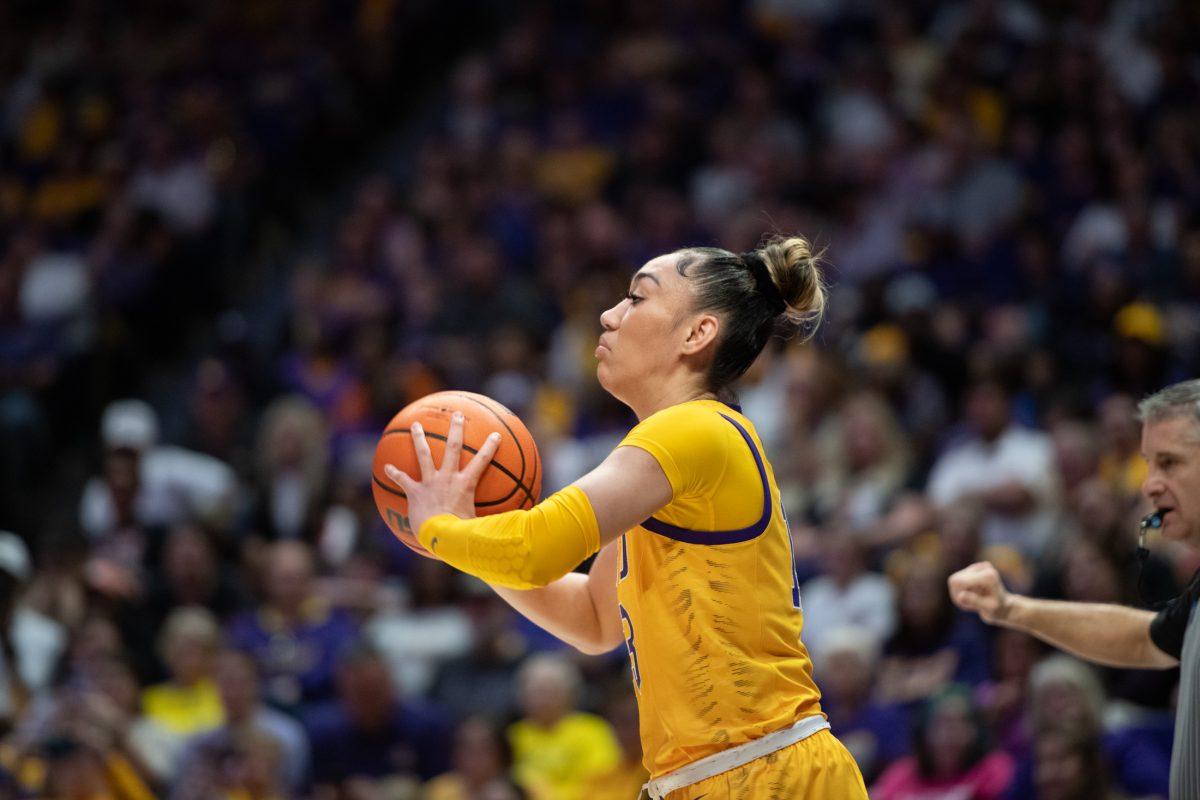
{"x": 978, "y": 588}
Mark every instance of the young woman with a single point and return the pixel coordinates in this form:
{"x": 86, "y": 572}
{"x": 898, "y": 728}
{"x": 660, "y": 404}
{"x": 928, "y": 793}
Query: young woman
{"x": 695, "y": 572}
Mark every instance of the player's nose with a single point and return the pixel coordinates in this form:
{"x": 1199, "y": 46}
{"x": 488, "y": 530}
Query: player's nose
{"x": 611, "y": 319}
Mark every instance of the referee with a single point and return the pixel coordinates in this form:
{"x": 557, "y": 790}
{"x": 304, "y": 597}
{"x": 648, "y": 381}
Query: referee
{"x": 1115, "y": 635}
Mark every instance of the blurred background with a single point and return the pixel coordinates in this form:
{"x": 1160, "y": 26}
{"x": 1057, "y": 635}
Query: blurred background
{"x": 237, "y": 236}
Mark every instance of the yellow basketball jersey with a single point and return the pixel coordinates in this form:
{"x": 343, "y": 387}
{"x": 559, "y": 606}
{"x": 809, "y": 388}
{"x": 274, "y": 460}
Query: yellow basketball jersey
{"x": 708, "y": 593}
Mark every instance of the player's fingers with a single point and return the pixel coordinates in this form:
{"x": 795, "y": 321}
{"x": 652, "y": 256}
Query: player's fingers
{"x": 398, "y": 477}
{"x": 424, "y": 456}
{"x": 970, "y": 600}
{"x": 454, "y": 440}
{"x": 474, "y": 470}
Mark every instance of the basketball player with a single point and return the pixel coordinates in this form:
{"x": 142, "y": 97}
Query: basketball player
{"x": 695, "y": 573}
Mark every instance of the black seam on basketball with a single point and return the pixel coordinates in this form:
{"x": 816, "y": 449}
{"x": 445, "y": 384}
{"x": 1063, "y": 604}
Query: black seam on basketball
{"x": 507, "y": 427}
{"x": 516, "y": 440}
{"x": 537, "y": 463}
{"x": 518, "y": 486}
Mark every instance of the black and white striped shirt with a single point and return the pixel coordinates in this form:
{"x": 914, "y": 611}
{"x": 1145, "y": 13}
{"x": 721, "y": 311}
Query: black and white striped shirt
{"x": 1173, "y": 633}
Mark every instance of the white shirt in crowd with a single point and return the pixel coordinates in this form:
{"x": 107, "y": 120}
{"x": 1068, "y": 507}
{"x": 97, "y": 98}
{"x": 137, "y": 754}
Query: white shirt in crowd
{"x": 867, "y": 602}
{"x": 974, "y": 466}
{"x": 176, "y": 484}
{"x": 39, "y": 642}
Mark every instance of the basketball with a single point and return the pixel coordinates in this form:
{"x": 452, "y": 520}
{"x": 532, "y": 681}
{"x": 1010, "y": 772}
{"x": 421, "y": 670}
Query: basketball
{"x": 513, "y": 480}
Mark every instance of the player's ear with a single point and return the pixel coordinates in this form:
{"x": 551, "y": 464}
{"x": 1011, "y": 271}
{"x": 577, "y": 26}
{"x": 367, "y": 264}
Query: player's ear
{"x": 701, "y": 333}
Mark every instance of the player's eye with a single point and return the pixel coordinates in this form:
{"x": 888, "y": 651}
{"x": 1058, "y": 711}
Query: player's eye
{"x": 633, "y": 298}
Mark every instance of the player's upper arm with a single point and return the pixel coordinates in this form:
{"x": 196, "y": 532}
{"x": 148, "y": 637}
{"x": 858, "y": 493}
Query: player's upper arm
{"x": 627, "y": 488}
{"x": 602, "y": 587}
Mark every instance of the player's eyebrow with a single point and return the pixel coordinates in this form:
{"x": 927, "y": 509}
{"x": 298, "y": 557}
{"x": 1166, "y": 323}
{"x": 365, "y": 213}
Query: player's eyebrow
{"x": 644, "y": 274}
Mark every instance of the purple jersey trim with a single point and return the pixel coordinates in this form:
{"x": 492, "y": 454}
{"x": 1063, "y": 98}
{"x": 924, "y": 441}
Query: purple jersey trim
{"x": 690, "y": 536}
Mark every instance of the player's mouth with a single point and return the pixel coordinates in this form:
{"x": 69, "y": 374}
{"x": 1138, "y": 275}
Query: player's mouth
{"x": 602, "y": 347}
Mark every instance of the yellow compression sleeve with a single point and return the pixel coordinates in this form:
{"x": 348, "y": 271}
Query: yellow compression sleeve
{"x": 518, "y": 549}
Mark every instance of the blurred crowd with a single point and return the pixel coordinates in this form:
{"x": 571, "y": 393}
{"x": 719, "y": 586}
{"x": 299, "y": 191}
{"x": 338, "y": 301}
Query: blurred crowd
{"x": 199, "y": 600}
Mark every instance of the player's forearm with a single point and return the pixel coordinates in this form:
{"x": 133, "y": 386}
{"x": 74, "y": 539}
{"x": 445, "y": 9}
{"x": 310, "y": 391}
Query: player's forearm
{"x": 1112, "y": 635}
{"x": 563, "y": 608}
{"x": 518, "y": 549}
{"x": 579, "y": 609}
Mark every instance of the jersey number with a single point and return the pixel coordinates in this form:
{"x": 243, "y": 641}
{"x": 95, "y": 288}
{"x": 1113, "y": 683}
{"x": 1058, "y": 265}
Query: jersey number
{"x": 629, "y": 644}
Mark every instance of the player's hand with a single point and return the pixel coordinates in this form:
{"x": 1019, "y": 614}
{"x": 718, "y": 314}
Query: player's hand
{"x": 443, "y": 489}
{"x": 978, "y": 588}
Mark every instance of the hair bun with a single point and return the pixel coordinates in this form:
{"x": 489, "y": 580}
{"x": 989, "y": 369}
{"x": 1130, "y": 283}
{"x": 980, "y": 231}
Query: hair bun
{"x": 796, "y": 271}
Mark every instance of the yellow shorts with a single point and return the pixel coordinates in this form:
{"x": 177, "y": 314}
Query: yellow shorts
{"x": 816, "y": 768}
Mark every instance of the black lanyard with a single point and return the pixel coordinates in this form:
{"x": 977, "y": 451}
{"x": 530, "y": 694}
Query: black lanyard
{"x": 1152, "y": 521}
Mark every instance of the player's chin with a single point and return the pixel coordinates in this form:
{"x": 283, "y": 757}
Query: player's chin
{"x": 604, "y": 375}
{"x": 608, "y": 381}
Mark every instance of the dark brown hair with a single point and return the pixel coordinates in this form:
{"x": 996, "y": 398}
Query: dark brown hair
{"x": 724, "y": 283}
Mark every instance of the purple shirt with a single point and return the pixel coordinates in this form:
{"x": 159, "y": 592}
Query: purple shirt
{"x": 296, "y": 664}
{"x": 416, "y": 739}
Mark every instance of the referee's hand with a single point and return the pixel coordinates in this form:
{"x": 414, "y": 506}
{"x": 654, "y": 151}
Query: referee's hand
{"x": 978, "y": 588}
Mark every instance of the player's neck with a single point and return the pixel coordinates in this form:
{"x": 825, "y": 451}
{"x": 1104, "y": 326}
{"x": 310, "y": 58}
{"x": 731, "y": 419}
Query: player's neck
{"x": 667, "y": 395}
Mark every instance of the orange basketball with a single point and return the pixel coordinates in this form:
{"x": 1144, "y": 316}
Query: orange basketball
{"x": 513, "y": 479}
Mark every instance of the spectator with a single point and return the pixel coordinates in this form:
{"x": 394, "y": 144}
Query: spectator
{"x": 1121, "y": 463}
{"x": 369, "y": 735}
{"x": 30, "y": 643}
{"x": 482, "y": 763}
{"x": 871, "y": 464}
{"x": 483, "y": 681}
{"x": 187, "y": 703}
{"x": 58, "y": 589}
{"x": 75, "y": 768}
{"x": 1076, "y": 456}
{"x": 430, "y": 631}
{"x": 219, "y": 416}
{"x": 178, "y": 188}
{"x": 153, "y": 485}
{"x": 626, "y": 778}
{"x": 95, "y": 727}
{"x": 953, "y": 756}
{"x": 292, "y": 471}
{"x": 294, "y": 636}
{"x": 846, "y": 594}
{"x": 558, "y": 750}
{"x": 1065, "y": 693}
{"x": 934, "y": 645}
{"x": 248, "y": 724}
{"x": 1004, "y": 468}
{"x": 1068, "y": 765}
{"x": 1004, "y": 699}
{"x": 846, "y": 665}
{"x": 191, "y": 574}
{"x": 247, "y": 766}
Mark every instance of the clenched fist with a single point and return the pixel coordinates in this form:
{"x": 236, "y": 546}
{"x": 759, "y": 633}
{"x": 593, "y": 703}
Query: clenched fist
{"x": 979, "y": 588}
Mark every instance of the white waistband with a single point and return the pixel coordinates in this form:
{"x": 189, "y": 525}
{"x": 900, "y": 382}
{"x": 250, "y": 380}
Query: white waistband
{"x": 734, "y": 757}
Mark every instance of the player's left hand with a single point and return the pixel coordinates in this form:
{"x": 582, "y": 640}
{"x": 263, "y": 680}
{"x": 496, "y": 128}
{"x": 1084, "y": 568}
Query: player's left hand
{"x": 443, "y": 489}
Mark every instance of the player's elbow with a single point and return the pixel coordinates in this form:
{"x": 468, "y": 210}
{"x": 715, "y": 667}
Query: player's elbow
{"x": 596, "y": 646}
